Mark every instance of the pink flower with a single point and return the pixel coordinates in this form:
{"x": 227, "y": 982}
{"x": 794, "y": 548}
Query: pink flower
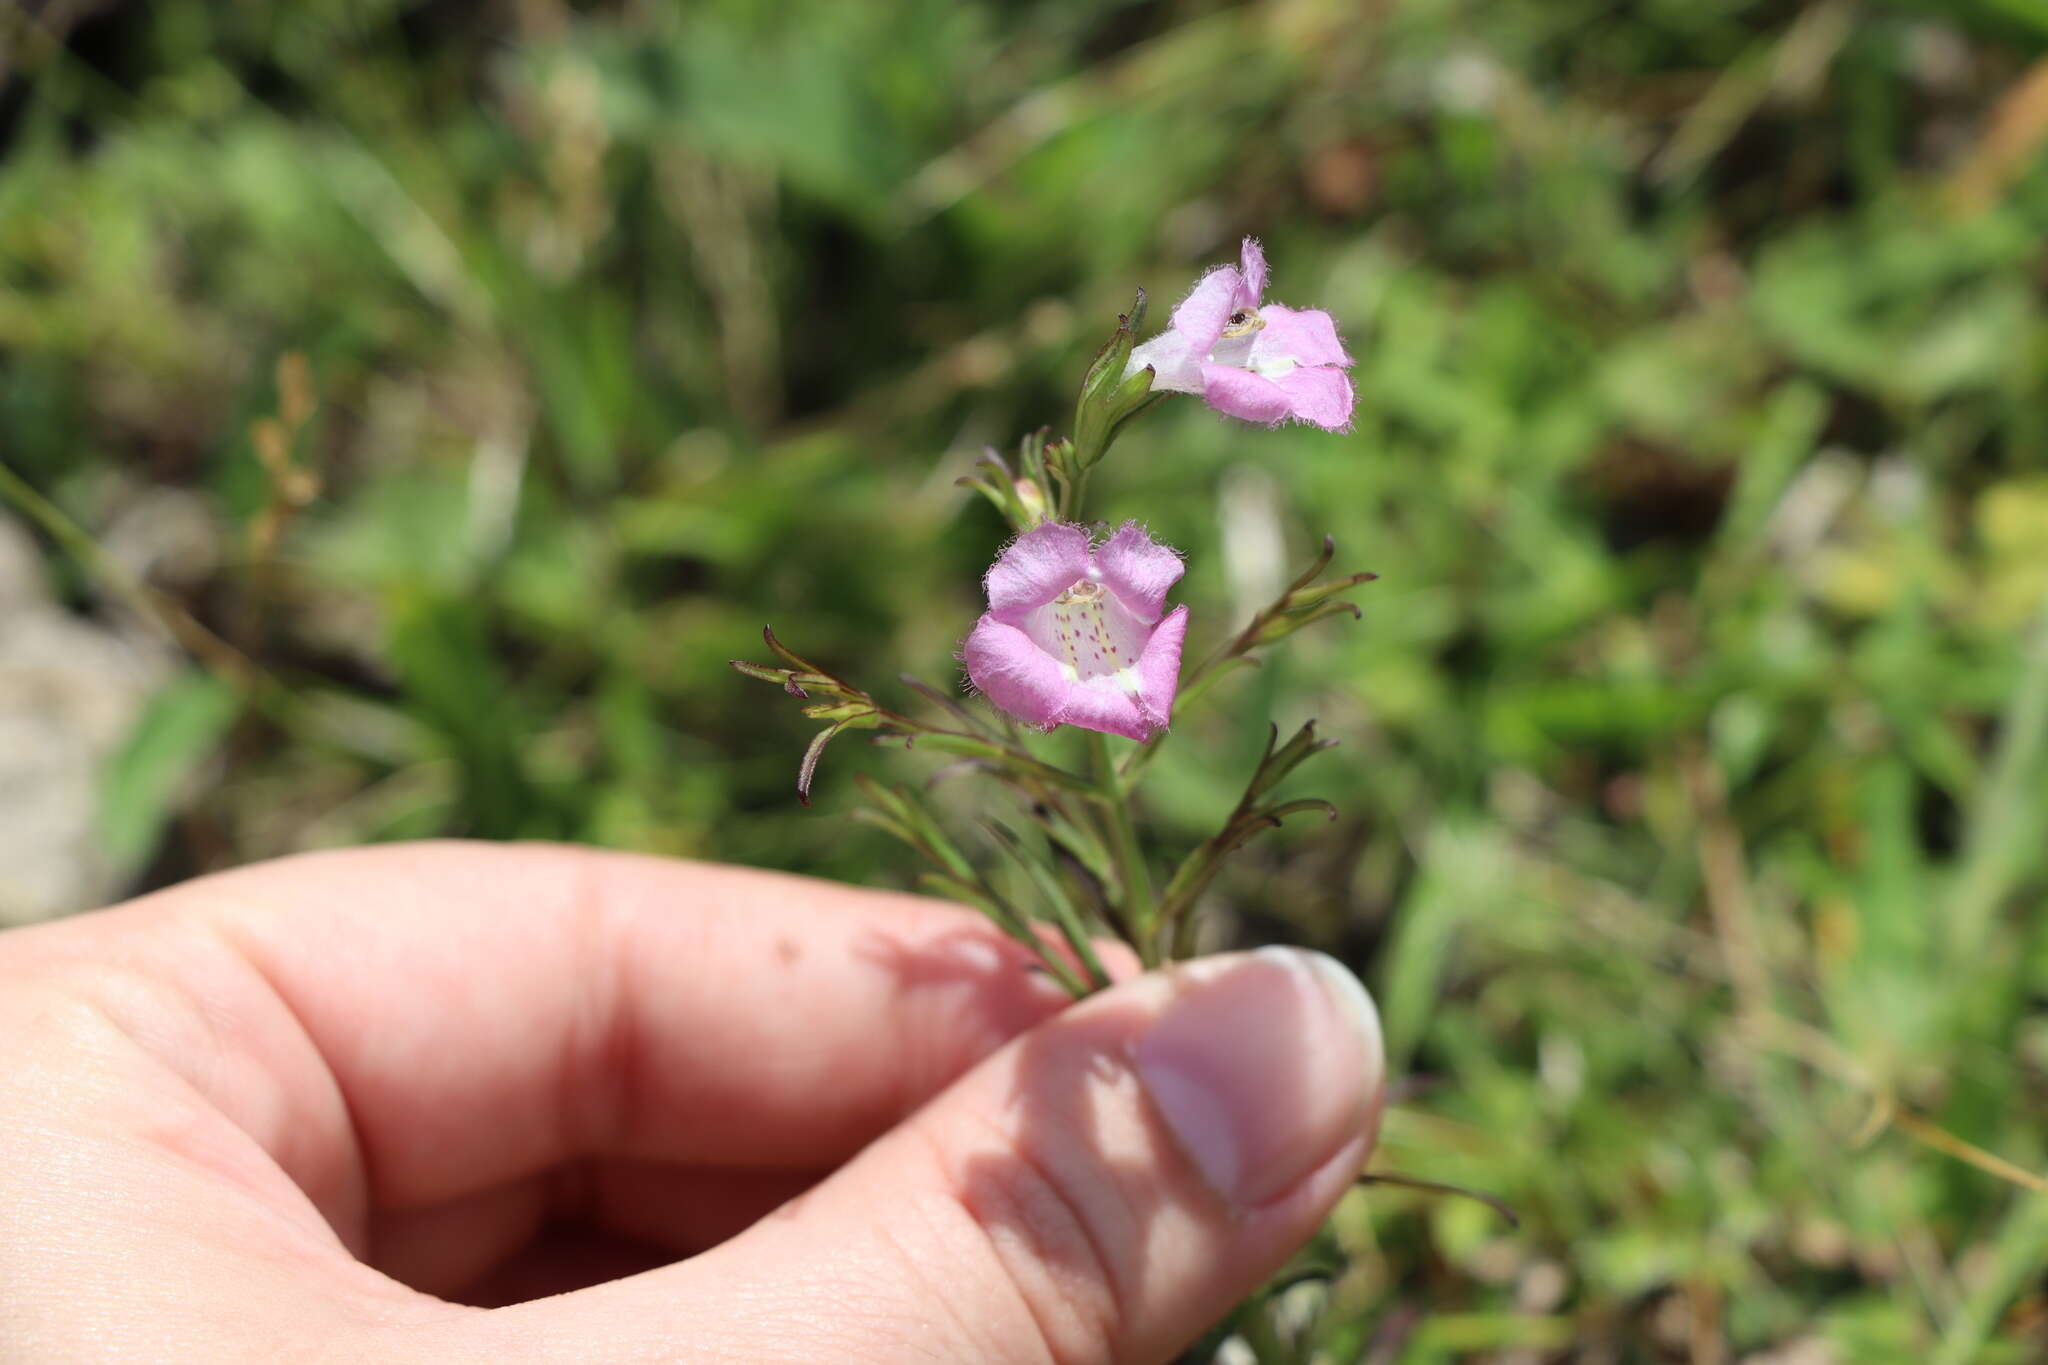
{"x": 1264, "y": 364}
{"x": 1073, "y": 634}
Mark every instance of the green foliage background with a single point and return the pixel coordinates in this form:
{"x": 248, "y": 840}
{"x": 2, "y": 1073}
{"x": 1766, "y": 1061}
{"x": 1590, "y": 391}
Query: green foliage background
{"x": 1695, "y": 741}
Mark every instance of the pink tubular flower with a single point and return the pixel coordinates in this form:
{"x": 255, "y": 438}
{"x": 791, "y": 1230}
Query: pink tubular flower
{"x": 1073, "y": 634}
{"x": 1264, "y": 364}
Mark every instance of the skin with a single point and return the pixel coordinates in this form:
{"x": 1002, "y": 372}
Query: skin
{"x": 452, "y": 1103}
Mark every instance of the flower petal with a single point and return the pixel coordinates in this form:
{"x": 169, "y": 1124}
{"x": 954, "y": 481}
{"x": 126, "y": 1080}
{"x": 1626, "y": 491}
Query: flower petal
{"x": 1105, "y": 704}
{"x": 1022, "y": 679}
{"x": 1306, "y": 336}
{"x": 1175, "y": 366}
{"x": 1251, "y": 259}
{"x": 1014, "y": 673}
{"x": 1139, "y": 570}
{"x": 1038, "y": 566}
{"x": 1205, "y": 312}
{"x": 1159, "y": 669}
{"x": 1320, "y": 394}
{"x": 1240, "y": 393}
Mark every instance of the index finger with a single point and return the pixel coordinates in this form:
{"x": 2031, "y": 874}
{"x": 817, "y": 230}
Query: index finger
{"x": 483, "y": 1012}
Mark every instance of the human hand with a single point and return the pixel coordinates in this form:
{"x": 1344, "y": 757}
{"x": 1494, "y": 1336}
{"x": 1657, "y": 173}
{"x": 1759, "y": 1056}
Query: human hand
{"x": 320, "y": 1109}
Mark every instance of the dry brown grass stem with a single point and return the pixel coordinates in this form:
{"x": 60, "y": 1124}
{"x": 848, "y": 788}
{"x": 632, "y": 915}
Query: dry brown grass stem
{"x": 1724, "y": 870}
{"x": 2018, "y": 127}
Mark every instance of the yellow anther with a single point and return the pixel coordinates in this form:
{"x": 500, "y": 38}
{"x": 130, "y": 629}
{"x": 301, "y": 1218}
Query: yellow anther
{"x": 1243, "y": 323}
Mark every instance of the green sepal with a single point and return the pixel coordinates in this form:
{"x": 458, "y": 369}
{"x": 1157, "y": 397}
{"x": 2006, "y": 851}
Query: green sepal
{"x": 1031, "y": 454}
{"x": 1006, "y": 492}
{"x": 850, "y": 712}
{"x": 1063, "y": 467}
{"x": 1109, "y": 397}
{"x": 1106, "y": 372}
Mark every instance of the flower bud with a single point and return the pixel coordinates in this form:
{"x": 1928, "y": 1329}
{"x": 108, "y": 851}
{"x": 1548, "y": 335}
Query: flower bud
{"x": 1031, "y": 497}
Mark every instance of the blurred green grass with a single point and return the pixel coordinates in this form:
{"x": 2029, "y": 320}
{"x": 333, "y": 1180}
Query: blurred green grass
{"x": 1695, "y": 741}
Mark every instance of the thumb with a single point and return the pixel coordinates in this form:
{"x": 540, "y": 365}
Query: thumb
{"x": 1102, "y": 1189}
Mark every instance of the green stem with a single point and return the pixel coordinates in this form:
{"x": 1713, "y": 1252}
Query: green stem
{"x": 1139, "y": 912}
{"x": 202, "y": 644}
{"x": 1070, "y": 497}
{"x": 973, "y": 746}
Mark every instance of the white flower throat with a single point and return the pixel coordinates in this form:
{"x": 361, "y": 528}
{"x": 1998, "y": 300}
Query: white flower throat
{"x": 1088, "y": 631}
{"x": 1235, "y": 347}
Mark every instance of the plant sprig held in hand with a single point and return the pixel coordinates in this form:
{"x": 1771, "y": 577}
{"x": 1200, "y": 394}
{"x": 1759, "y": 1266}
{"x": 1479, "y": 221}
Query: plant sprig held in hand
{"x": 1079, "y": 632}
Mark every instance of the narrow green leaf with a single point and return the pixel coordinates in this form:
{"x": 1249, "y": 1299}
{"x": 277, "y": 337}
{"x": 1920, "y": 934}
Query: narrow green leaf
{"x": 1069, "y": 919}
{"x": 1278, "y": 813}
{"x": 1086, "y": 849}
{"x": 950, "y": 705}
{"x": 141, "y": 788}
{"x": 809, "y": 767}
{"x": 1309, "y": 596}
{"x": 788, "y": 655}
{"x": 1004, "y": 759}
{"x": 1005, "y": 917}
{"x": 1315, "y": 568}
{"x": 921, "y": 824}
{"x": 1277, "y": 765}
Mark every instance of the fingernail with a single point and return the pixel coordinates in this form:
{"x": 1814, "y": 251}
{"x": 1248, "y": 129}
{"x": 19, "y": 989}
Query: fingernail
{"x": 1264, "y": 1065}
